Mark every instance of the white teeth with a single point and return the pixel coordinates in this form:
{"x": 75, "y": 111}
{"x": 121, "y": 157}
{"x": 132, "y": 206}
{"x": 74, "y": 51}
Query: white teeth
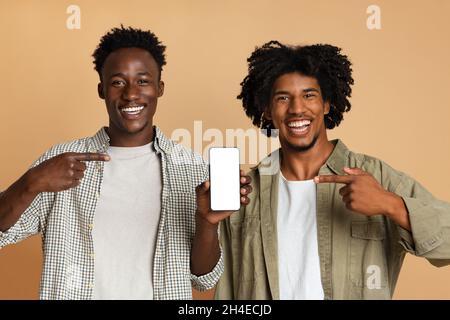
{"x": 297, "y": 124}
{"x": 133, "y": 110}
{"x": 299, "y": 129}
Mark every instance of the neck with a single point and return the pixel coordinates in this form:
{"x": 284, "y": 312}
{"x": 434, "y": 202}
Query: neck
{"x": 305, "y": 165}
{"x": 125, "y": 139}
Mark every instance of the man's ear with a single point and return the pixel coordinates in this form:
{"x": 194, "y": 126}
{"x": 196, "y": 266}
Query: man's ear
{"x": 101, "y": 94}
{"x": 326, "y": 107}
{"x": 160, "y": 88}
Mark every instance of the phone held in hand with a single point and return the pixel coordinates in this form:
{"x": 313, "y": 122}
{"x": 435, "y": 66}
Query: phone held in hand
{"x": 224, "y": 178}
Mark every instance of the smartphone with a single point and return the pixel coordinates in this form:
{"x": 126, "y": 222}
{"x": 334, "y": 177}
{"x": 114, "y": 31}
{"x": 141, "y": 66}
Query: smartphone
{"x": 225, "y": 179}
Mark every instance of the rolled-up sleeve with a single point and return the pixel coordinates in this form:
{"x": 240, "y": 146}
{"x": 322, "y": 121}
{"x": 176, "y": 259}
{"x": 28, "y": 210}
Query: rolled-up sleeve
{"x": 430, "y": 223}
{"x": 26, "y": 226}
{"x": 29, "y": 222}
{"x": 209, "y": 280}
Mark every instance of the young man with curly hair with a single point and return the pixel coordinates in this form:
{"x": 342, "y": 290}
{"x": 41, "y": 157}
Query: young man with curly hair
{"x": 323, "y": 222}
{"x": 124, "y": 214}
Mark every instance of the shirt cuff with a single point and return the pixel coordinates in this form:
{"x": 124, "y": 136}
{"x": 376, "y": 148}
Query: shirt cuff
{"x": 7, "y": 237}
{"x": 209, "y": 280}
{"x": 406, "y": 240}
{"x": 426, "y": 228}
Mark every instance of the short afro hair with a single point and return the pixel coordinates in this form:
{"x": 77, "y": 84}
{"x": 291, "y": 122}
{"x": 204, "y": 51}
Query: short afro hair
{"x": 321, "y": 61}
{"x": 122, "y": 37}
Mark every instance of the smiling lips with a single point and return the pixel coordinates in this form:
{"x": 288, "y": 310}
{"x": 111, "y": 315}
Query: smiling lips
{"x": 131, "y": 111}
{"x": 299, "y": 126}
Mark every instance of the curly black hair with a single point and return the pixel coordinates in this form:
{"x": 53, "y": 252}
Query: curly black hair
{"x": 129, "y": 37}
{"x": 321, "y": 61}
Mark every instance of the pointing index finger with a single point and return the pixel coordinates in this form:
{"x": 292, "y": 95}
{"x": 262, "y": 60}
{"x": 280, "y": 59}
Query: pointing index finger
{"x": 333, "y": 179}
{"x": 91, "y": 156}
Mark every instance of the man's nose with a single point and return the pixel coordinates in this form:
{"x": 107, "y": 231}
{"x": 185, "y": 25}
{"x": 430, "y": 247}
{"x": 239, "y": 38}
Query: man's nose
{"x": 130, "y": 93}
{"x": 297, "y": 106}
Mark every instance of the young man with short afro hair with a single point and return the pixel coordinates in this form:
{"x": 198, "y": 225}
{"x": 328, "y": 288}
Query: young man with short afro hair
{"x": 120, "y": 213}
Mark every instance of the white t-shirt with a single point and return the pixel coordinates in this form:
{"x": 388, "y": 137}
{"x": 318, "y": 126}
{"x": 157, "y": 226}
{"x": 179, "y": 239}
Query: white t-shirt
{"x": 126, "y": 223}
{"x": 298, "y": 253}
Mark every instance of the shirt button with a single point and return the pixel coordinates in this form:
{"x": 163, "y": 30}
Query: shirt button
{"x": 91, "y": 255}
{"x": 91, "y": 226}
{"x": 97, "y": 195}
{"x": 90, "y": 285}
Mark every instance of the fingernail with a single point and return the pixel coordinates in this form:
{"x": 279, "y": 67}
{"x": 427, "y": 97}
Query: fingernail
{"x": 316, "y": 179}
{"x": 243, "y": 190}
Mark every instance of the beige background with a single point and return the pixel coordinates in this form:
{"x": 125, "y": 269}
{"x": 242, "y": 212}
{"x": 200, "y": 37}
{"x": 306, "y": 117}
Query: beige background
{"x": 400, "y": 103}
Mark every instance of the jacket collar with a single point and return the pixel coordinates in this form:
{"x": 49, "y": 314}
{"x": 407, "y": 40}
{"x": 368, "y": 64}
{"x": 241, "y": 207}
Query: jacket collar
{"x": 336, "y": 162}
{"x": 338, "y": 158}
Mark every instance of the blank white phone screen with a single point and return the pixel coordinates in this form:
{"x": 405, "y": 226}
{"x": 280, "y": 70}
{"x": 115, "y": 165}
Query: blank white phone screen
{"x": 224, "y": 176}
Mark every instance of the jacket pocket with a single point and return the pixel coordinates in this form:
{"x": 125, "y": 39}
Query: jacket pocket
{"x": 247, "y": 241}
{"x": 368, "y": 230}
{"x": 368, "y": 268}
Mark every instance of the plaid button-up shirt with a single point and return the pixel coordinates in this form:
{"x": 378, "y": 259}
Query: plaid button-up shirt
{"x": 65, "y": 220}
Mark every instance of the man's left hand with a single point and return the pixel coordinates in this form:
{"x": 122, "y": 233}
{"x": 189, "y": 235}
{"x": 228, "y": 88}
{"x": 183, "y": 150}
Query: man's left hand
{"x": 362, "y": 193}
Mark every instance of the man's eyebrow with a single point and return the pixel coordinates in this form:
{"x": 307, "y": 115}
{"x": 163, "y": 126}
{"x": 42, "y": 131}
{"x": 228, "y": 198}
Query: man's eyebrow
{"x": 144, "y": 73}
{"x": 118, "y": 74}
{"x": 304, "y": 91}
{"x": 311, "y": 89}
{"x": 141, "y": 73}
{"x": 280, "y": 92}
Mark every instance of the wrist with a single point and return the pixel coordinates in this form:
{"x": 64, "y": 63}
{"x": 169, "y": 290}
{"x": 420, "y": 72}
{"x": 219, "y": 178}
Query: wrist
{"x": 202, "y": 225}
{"x": 31, "y": 185}
{"x": 398, "y": 212}
{"x": 390, "y": 205}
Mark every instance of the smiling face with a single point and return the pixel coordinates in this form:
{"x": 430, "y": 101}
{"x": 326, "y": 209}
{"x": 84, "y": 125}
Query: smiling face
{"x": 297, "y": 110}
{"x": 130, "y": 85}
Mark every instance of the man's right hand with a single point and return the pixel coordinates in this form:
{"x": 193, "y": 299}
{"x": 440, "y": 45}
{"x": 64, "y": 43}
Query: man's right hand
{"x": 62, "y": 172}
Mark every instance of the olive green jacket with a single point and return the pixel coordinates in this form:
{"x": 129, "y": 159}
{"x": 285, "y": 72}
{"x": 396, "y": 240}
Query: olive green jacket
{"x": 360, "y": 256}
